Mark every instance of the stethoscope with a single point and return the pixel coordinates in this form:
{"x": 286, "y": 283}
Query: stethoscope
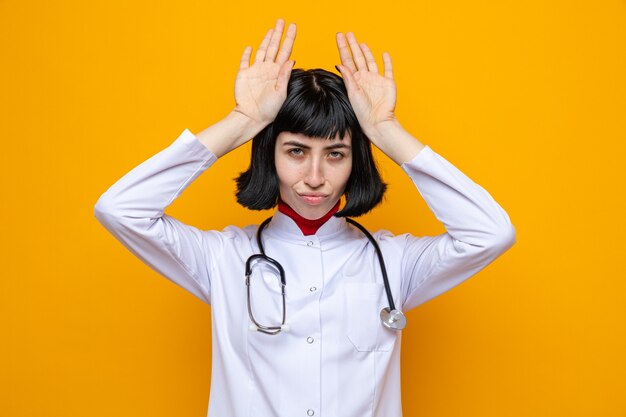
{"x": 390, "y": 317}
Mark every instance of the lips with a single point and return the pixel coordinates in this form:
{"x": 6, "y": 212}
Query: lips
{"x": 313, "y": 198}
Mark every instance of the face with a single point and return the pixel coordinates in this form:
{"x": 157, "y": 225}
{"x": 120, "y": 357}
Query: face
{"x": 312, "y": 172}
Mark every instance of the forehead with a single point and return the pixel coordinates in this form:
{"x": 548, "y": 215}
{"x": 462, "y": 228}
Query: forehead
{"x": 312, "y": 142}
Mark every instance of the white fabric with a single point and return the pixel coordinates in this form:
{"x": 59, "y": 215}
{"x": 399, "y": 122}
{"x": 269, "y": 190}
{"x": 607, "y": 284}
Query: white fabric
{"x": 336, "y": 360}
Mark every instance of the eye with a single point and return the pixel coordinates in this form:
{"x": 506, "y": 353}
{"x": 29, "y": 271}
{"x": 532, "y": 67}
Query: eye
{"x": 295, "y": 152}
{"x": 335, "y": 155}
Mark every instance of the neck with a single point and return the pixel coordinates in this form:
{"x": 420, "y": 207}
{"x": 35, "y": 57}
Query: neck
{"x": 307, "y": 226}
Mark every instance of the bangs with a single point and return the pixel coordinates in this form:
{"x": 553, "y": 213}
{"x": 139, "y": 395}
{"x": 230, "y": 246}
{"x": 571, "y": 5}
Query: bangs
{"x": 315, "y": 108}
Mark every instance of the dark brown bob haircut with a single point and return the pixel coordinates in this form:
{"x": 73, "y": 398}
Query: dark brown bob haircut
{"x": 317, "y": 106}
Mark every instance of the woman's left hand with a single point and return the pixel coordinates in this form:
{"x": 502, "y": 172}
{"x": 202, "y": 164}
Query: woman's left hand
{"x": 372, "y": 95}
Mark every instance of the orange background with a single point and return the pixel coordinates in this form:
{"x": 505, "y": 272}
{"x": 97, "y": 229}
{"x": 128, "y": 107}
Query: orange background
{"x": 527, "y": 98}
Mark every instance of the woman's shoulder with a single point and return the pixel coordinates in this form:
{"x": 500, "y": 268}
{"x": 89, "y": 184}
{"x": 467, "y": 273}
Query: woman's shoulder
{"x": 234, "y": 232}
{"x": 385, "y": 236}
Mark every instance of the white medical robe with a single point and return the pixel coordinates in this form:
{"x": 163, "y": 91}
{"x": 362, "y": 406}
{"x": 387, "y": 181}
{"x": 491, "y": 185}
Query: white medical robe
{"x": 337, "y": 359}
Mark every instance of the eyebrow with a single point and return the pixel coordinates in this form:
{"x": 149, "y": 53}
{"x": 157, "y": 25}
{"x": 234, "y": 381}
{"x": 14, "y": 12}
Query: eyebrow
{"x": 302, "y": 145}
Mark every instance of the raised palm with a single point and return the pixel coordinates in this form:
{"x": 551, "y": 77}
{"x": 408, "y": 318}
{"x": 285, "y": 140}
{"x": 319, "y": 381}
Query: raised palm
{"x": 372, "y": 95}
{"x": 261, "y": 88}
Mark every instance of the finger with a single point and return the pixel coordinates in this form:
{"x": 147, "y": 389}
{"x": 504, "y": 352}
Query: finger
{"x": 388, "y": 67}
{"x": 284, "y": 74}
{"x": 348, "y": 78}
{"x": 260, "y": 53}
{"x": 357, "y": 55}
{"x": 245, "y": 58}
{"x": 369, "y": 58}
{"x": 285, "y": 50}
{"x": 344, "y": 52}
{"x": 272, "y": 49}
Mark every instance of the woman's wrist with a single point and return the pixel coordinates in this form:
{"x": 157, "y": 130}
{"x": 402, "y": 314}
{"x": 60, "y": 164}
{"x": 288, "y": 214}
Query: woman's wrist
{"x": 246, "y": 127}
{"x": 229, "y": 133}
{"x": 394, "y": 141}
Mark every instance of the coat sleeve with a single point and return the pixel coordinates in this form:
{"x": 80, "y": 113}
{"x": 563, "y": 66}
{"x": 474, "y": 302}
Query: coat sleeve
{"x": 132, "y": 210}
{"x": 478, "y": 230}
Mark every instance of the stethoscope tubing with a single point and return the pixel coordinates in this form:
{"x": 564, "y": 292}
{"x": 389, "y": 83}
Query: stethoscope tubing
{"x": 381, "y": 261}
{"x": 379, "y": 254}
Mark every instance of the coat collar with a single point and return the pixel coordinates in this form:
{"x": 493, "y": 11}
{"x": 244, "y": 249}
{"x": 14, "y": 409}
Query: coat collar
{"x": 284, "y": 227}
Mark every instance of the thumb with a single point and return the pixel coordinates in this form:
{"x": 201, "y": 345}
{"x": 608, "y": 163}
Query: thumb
{"x": 283, "y": 75}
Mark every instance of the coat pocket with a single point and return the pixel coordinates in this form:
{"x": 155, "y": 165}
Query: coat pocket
{"x": 363, "y": 301}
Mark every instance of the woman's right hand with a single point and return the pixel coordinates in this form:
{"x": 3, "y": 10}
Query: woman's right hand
{"x": 261, "y": 88}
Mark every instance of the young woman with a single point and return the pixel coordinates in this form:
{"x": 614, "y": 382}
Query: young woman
{"x": 327, "y": 341}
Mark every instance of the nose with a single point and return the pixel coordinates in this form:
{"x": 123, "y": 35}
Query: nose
{"x": 314, "y": 177}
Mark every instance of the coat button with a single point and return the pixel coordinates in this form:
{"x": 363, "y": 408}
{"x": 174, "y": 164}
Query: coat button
{"x": 310, "y": 340}
{"x": 309, "y": 243}
{"x": 310, "y": 412}
{"x": 312, "y": 289}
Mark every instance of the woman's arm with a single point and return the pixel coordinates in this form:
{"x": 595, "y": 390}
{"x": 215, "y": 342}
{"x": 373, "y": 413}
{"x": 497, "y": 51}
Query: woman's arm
{"x": 132, "y": 209}
{"x": 478, "y": 229}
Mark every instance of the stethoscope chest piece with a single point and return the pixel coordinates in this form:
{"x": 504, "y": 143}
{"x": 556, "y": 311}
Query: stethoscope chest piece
{"x": 393, "y": 319}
